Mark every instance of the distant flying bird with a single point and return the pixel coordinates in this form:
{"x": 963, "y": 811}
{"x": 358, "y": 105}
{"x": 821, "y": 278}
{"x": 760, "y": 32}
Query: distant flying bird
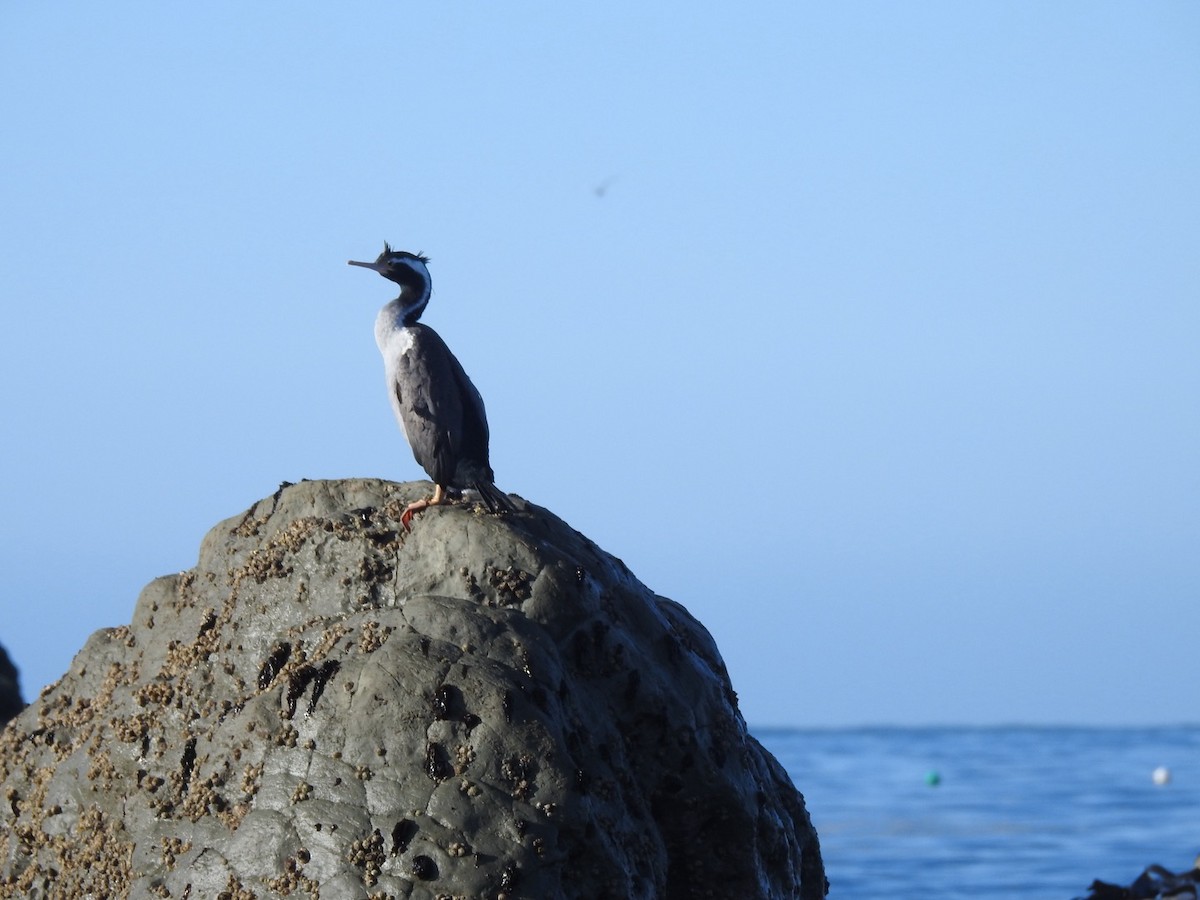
{"x": 602, "y": 188}
{"x": 439, "y": 410}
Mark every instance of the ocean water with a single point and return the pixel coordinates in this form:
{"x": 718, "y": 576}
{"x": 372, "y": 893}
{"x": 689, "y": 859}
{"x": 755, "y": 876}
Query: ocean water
{"x": 1028, "y": 813}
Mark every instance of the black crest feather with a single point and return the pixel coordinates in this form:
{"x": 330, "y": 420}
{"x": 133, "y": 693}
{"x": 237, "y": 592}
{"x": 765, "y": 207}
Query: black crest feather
{"x": 388, "y": 251}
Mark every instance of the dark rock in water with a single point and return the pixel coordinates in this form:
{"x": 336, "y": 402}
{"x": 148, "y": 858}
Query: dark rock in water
{"x": 1155, "y": 882}
{"x": 10, "y": 689}
{"x": 488, "y": 706}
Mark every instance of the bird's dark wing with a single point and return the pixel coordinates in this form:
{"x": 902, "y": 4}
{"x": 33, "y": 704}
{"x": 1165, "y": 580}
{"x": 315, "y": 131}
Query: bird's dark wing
{"x": 473, "y": 464}
{"x": 431, "y": 404}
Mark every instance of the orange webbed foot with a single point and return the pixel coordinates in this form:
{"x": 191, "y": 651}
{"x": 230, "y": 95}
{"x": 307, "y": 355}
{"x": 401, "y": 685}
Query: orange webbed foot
{"x": 439, "y": 496}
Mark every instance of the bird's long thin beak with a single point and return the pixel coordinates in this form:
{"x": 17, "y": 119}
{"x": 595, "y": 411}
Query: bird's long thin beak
{"x": 365, "y": 265}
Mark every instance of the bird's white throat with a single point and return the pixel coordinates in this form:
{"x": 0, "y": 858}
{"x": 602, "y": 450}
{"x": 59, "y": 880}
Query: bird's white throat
{"x": 393, "y": 338}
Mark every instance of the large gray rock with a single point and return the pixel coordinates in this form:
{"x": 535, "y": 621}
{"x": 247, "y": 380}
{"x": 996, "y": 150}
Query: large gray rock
{"x": 326, "y": 706}
{"x": 10, "y": 689}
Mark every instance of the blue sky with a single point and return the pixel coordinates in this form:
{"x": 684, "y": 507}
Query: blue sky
{"x": 878, "y": 352}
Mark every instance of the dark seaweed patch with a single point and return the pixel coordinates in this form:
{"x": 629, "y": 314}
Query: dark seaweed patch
{"x": 402, "y": 835}
{"x": 328, "y": 669}
{"x": 186, "y": 764}
{"x": 437, "y": 763}
{"x": 276, "y": 661}
{"x": 443, "y": 700}
{"x": 424, "y": 868}
{"x": 297, "y": 682}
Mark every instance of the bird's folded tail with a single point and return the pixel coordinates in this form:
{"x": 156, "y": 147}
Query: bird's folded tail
{"x": 494, "y": 498}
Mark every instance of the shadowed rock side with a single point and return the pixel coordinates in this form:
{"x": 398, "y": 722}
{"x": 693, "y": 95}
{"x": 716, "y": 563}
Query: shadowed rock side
{"x": 10, "y": 689}
{"x": 326, "y": 706}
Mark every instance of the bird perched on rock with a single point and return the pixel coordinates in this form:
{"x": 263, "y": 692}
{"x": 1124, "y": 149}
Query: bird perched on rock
{"x": 439, "y": 410}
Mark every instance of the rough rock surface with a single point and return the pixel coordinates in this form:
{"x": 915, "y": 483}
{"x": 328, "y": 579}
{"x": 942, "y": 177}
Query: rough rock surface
{"x": 10, "y": 689}
{"x": 326, "y": 706}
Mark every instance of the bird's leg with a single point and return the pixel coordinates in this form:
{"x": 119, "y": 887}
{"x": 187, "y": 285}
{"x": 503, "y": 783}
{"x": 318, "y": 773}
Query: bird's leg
{"x": 439, "y": 497}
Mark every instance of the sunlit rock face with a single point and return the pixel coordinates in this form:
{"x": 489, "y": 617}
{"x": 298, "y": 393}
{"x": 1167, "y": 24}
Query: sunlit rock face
{"x": 329, "y": 706}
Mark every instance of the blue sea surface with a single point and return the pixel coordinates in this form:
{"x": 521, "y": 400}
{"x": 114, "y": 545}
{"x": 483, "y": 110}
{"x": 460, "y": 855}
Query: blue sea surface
{"x": 1029, "y": 813}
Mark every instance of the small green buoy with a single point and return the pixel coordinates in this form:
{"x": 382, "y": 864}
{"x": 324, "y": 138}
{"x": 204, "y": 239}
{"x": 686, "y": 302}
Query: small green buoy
{"x": 933, "y": 778}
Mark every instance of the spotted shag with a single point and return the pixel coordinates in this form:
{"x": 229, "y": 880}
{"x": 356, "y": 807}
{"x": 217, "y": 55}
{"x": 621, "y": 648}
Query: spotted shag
{"x": 439, "y": 410}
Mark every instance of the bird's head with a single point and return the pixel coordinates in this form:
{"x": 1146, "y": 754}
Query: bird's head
{"x": 399, "y": 266}
{"x": 408, "y": 270}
